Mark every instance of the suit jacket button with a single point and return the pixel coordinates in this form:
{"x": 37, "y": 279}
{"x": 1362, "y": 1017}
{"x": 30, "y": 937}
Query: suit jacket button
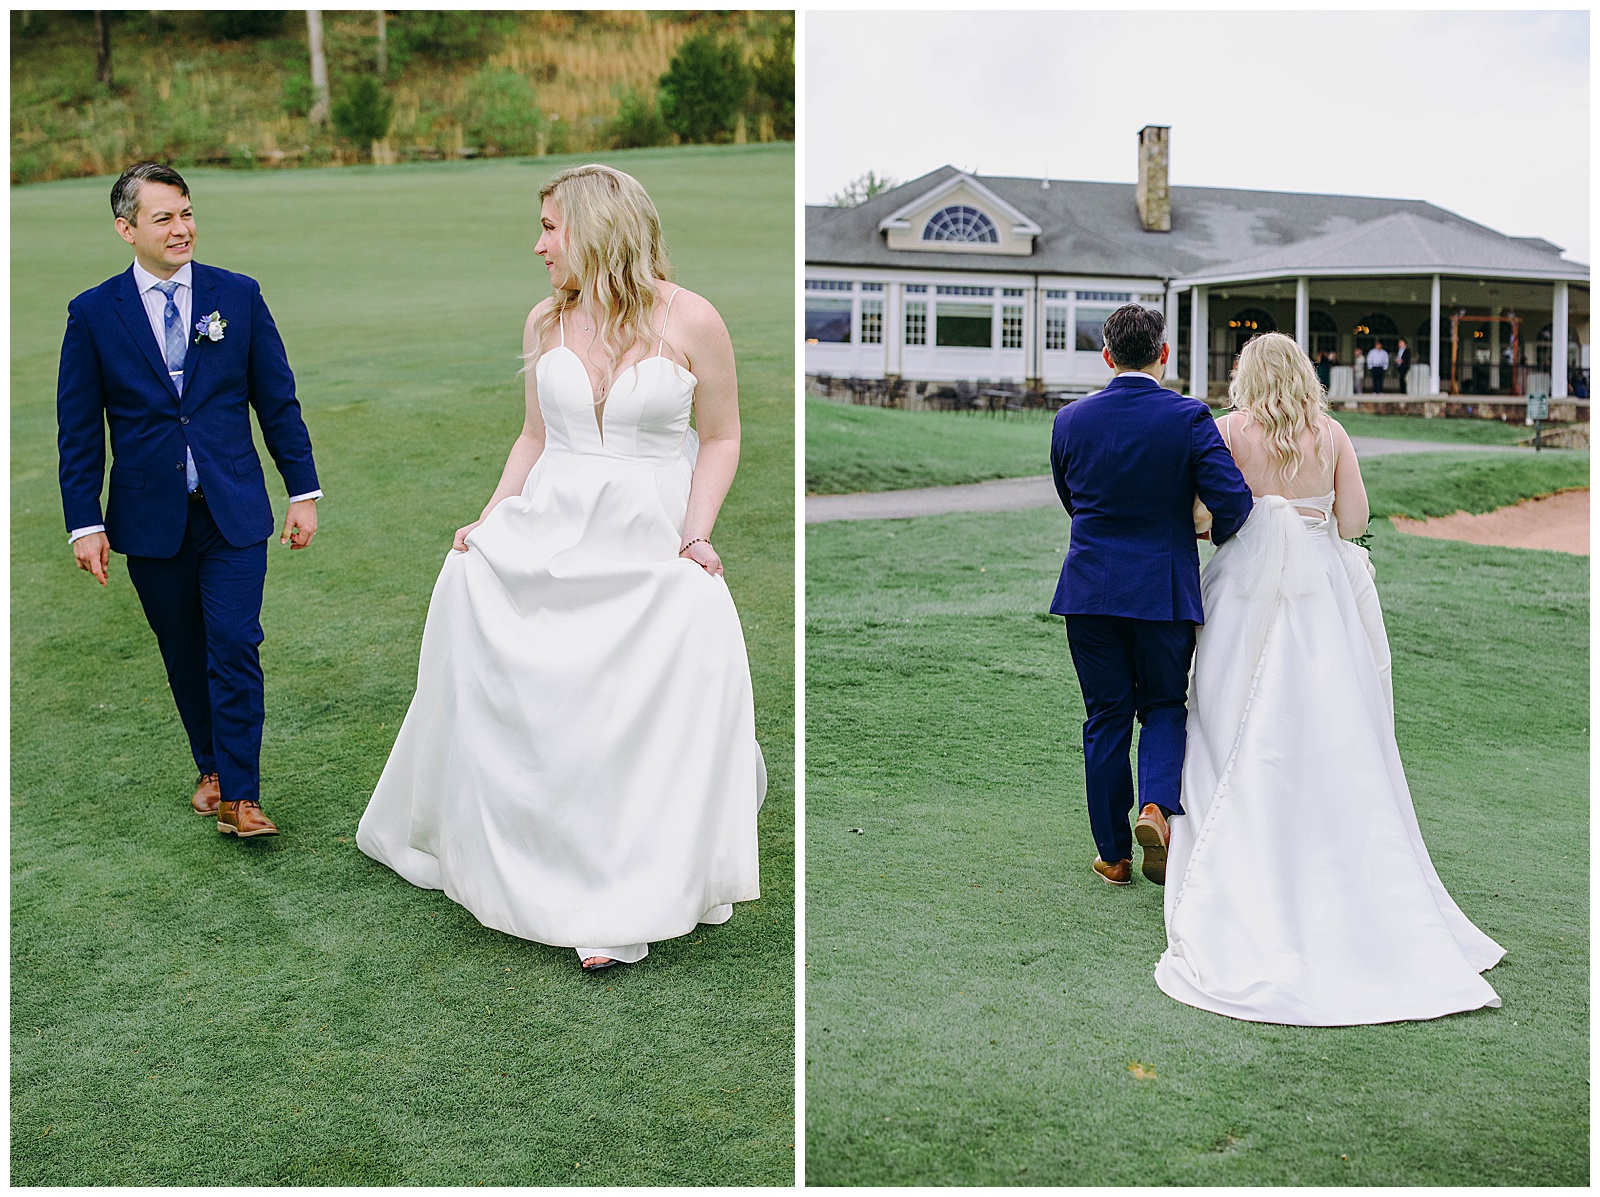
{"x": 180, "y": 465}
{"x": 183, "y": 419}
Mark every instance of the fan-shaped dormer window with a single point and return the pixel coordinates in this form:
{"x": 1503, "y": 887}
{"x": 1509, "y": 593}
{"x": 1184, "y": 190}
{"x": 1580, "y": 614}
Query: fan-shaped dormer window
{"x": 962, "y": 223}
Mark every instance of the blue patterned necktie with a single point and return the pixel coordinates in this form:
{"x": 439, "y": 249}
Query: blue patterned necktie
{"x": 176, "y": 346}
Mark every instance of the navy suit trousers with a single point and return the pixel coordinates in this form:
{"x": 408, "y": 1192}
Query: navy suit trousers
{"x": 1127, "y": 669}
{"x": 204, "y": 605}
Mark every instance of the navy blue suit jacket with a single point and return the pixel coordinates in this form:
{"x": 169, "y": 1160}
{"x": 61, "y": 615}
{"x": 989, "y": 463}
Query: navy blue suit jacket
{"x": 1128, "y": 462}
{"x": 114, "y": 373}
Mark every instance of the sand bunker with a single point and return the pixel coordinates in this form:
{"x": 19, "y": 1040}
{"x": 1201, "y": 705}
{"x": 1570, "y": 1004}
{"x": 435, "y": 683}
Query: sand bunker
{"x": 1559, "y": 522}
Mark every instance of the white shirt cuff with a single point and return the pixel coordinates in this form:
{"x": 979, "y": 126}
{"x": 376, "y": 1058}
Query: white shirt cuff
{"x": 310, "y": 494}
{"x": 79, "y": 533}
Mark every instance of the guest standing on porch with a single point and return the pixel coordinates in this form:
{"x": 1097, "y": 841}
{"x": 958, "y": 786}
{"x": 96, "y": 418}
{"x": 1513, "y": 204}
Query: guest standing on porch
{"x": 1377, "y": 363}
{"x": 1402, "y": 364}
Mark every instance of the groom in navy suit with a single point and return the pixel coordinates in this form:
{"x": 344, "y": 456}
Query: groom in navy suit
{"x": 171, "y": 356}
{"x": 1128, "y": 463}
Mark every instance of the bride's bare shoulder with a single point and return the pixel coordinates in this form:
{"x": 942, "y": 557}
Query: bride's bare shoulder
{"x": 690, "y": 312}
{"x": 530, "y": 327}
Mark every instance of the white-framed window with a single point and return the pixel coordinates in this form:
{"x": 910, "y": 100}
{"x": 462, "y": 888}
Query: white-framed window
{"x": 916, "y": 321}
{"x": 871, "y": 321}
{"x": 916, "y": 288}
{"x": 829, "y": 284}
{"x": 1055, "y": 327}
{"x": 943, "y": 289}
{"x": 1089, "y": 327}
{"x": 828, "y": 320}
{"x": 964, "y": 325}
{"x": 1011, "y": 292}
{"x": 1105, "y": 296}
{"x": 872, "y": 287}
{"x": 960, "y": 223}
{"x": 1049, "y": 294}
{"x": 1011, "y": 328}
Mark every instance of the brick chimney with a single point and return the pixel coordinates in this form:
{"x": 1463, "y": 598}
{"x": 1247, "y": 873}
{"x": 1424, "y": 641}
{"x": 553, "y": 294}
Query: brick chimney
{"x": 1155, "y": 203}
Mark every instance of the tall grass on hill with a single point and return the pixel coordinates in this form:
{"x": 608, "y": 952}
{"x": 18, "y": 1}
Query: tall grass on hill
{"x": 184, "y": 96}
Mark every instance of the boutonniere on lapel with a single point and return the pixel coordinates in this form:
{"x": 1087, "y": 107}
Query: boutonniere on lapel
{"x": 209, "y": 329}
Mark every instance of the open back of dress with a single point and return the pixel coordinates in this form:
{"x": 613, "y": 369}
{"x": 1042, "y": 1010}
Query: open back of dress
{"x": 1299, "y": 889}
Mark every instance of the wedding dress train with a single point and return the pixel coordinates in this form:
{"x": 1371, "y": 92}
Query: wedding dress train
{"x": 1299, "y": 890}
{"x": 579, "y": 764}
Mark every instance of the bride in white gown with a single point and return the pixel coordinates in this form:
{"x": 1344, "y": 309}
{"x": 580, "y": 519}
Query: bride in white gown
{"x": 579, "y": 764}
{"x": 1299, "y": 890}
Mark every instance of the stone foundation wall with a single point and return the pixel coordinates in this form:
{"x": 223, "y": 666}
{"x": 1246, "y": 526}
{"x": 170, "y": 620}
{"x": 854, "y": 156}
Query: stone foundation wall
{"x": 1506, "y": 408}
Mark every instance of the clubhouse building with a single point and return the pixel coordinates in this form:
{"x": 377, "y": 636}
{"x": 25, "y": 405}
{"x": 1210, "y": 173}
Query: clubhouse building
{"x": 955, "y": 276}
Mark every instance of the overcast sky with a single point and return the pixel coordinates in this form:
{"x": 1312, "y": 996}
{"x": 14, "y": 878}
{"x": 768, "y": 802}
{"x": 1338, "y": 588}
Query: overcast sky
{"x": 1484, "y": 113}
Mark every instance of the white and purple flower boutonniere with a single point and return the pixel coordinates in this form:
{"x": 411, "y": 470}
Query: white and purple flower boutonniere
{"x": 210, "y": 329}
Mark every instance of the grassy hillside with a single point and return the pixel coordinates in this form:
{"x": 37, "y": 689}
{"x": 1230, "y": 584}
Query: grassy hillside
{"x": 184, "y": 94}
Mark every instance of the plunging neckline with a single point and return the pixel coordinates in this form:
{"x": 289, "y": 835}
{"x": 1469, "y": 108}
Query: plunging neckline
{"x": 600, "y": 405}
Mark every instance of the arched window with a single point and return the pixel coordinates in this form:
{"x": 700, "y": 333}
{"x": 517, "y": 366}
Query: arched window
{"x": 1324, "y": 334}
{"x": 1375, "y": 327}
{"x": 962, "y": 224}
{"x": 1541, "y": 348}
{"x": 1247, "y": 324}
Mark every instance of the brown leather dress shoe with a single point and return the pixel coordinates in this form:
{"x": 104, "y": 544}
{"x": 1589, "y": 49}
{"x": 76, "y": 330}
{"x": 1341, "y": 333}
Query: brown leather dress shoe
{"x": 1120, "y": 873}
{"x": 1152, "y": 833}
{"x": 206, "y": 795}
{"x": 243, "y": 819}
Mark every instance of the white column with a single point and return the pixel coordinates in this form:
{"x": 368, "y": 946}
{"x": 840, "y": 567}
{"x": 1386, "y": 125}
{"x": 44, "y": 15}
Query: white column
{"x": 1435, "y": 350}
{"x": 894, "y": 332}
{"x": 1302, "y": 314}
{"x": 1038, "y": 334}
{"x": 1197, "y": 343}
{"x": 1558, "y": 344}
{"x": 1494, "y": 347}
{"x": 1172, "y": 331}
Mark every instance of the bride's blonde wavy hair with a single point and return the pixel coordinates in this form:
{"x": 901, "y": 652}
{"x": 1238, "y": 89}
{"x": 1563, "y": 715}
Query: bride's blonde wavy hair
{"x": 1277, "y": 389}
{"x": 616, "y": 252}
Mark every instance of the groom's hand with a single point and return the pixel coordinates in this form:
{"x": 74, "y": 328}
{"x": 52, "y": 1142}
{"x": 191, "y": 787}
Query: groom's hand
{"x": 94, "y": 554}
{"x": 300, "y": 525}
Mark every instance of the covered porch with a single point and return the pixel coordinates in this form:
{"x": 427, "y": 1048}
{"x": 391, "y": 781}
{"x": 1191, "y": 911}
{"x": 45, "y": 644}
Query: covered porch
{"x": 1479, "y": 314}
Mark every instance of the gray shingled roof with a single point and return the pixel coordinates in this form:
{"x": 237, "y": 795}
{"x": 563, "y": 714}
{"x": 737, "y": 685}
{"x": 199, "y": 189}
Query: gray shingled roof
{"x": 1403, "y": 242}
{"x": 1093, "y": 228}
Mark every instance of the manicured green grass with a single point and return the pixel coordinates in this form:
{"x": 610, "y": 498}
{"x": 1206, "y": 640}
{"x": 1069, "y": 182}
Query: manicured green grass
{"x": 1416, "y": 428}
{"x": 189, "y": 1009}
{"x": 977, "y": 999}
{"x": 851, "y": 448}
{"x": 1420, "y": 485}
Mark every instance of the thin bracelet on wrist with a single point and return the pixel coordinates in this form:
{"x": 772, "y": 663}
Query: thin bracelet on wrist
{"x": 692, "y": 543}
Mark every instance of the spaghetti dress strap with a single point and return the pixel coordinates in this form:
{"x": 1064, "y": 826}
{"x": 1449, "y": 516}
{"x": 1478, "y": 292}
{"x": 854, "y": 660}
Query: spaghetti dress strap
{"x": 660, "y": 344}
{"x": 1225, "y": 427}
{"x": 559, "y": 324}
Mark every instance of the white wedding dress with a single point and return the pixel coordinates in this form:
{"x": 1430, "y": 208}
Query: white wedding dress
{"x": 579, "y": 764}
{"x": 1299, "y": 890}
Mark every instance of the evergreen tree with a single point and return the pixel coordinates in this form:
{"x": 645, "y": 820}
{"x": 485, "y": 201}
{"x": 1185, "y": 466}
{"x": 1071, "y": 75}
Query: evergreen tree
{"x": 705, "y": 89}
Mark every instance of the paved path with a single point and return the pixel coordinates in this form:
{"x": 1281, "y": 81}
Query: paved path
{"x": 1024, "y": 494}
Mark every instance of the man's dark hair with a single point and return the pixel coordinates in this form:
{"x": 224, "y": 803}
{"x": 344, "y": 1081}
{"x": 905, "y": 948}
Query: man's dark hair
{"x": 125, "y": 191}
{"x": 1134, "y": 334}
